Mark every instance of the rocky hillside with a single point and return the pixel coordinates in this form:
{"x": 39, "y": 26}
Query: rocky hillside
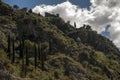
{"x": 34, "y": 47}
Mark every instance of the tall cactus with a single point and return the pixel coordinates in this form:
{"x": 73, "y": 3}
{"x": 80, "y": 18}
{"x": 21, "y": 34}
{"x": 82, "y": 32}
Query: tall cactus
{"x": 13, "y": 50}
{"x": 21, "y": 47}
{"x": 45, "y": 55}
{"x": 9, "y": 46}
{"x": 27, "y": 56}
{"x": 23, "y": 59}
{"x": 50, "y": 46}
{"x": 39, "y": 51}
{"x": 20, "y": 53}
{"x": 35, "y": 56}
{"x": 42, "y": 60}
{"x": 75, "y": 24}
{"x": 23, "y": 67}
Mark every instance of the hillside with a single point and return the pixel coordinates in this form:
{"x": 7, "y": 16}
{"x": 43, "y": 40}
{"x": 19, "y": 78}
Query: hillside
{"x": 34, "y": 47}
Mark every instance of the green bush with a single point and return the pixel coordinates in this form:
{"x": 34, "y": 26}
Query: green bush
{"x": 96, "y": 69}
{"x": 84, "y": 55}
{"x": 29, "y": 44}
{"x": 100, "y": 57}
{"x": 3, "y": 40}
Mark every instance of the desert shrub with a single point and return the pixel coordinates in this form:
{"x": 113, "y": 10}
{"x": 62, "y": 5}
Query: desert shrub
{"x": 84, "y": 55}
{"x": 85, "y": 64}
{"x": 96, "y": 69}
{"x": 58, "y": 73}
{"x": 3, "y": 40}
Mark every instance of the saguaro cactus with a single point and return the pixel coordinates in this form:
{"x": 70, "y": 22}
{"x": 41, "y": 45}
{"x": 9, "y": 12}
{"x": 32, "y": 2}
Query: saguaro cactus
{"x": 27, "y": 56}
{"x": 21, "y": 47}
{"x": 13, "y": 50}
{"x": 75, "y": 24}
{"x": 35, "y": 56}
{"x": 42, "y": 60}
{"x": 50, "y": 46}
{"x": 39, "y": 51}
{"x": 9, "y": 46}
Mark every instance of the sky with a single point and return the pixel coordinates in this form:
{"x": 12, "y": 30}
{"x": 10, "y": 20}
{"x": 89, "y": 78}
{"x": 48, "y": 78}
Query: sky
{"x": 102, "y": 15}
{"x": 32, "y": 3}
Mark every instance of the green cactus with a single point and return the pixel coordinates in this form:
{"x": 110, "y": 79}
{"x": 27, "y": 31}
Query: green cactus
{"x": 9, "y": 46}
{"x": 13, "y": 50}
{"x": 35, "y": 56}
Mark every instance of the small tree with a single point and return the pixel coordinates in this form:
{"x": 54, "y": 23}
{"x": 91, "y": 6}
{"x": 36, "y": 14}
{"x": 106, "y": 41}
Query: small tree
{"x": 88, "y": 27}
{"x": 57, "y": 15}
{"x": 24, "y": 9}
{"x": 16, "y": 7}
{"x": 30, "y": 10}
{"x": 68, "y": 22}
{"x": 75, "y": 24}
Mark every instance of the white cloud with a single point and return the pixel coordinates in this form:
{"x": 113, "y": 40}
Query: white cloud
{"x": 101, "y": 14}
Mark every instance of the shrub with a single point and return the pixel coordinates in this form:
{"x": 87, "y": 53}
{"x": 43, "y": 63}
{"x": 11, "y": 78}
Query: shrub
{"x": 96, "y": 69}
{"x": 84, "y": 55}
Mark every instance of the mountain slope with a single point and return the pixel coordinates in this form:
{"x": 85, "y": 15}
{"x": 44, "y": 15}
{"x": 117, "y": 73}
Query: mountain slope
{"x": 66, "y": 53}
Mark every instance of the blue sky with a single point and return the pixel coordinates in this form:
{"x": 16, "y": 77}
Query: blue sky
{"x": 32, "y": 3}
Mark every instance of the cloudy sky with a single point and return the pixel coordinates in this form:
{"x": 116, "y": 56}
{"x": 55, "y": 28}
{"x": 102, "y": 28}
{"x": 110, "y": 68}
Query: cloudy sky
{"x": 102, "y": 15}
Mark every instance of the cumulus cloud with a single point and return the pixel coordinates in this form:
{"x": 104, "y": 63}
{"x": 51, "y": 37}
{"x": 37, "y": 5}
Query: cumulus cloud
{"x": 101, "y": 14}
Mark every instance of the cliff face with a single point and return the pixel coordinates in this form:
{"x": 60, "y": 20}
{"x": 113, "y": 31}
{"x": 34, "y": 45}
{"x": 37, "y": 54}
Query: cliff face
{"x": 36, "y": 47}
